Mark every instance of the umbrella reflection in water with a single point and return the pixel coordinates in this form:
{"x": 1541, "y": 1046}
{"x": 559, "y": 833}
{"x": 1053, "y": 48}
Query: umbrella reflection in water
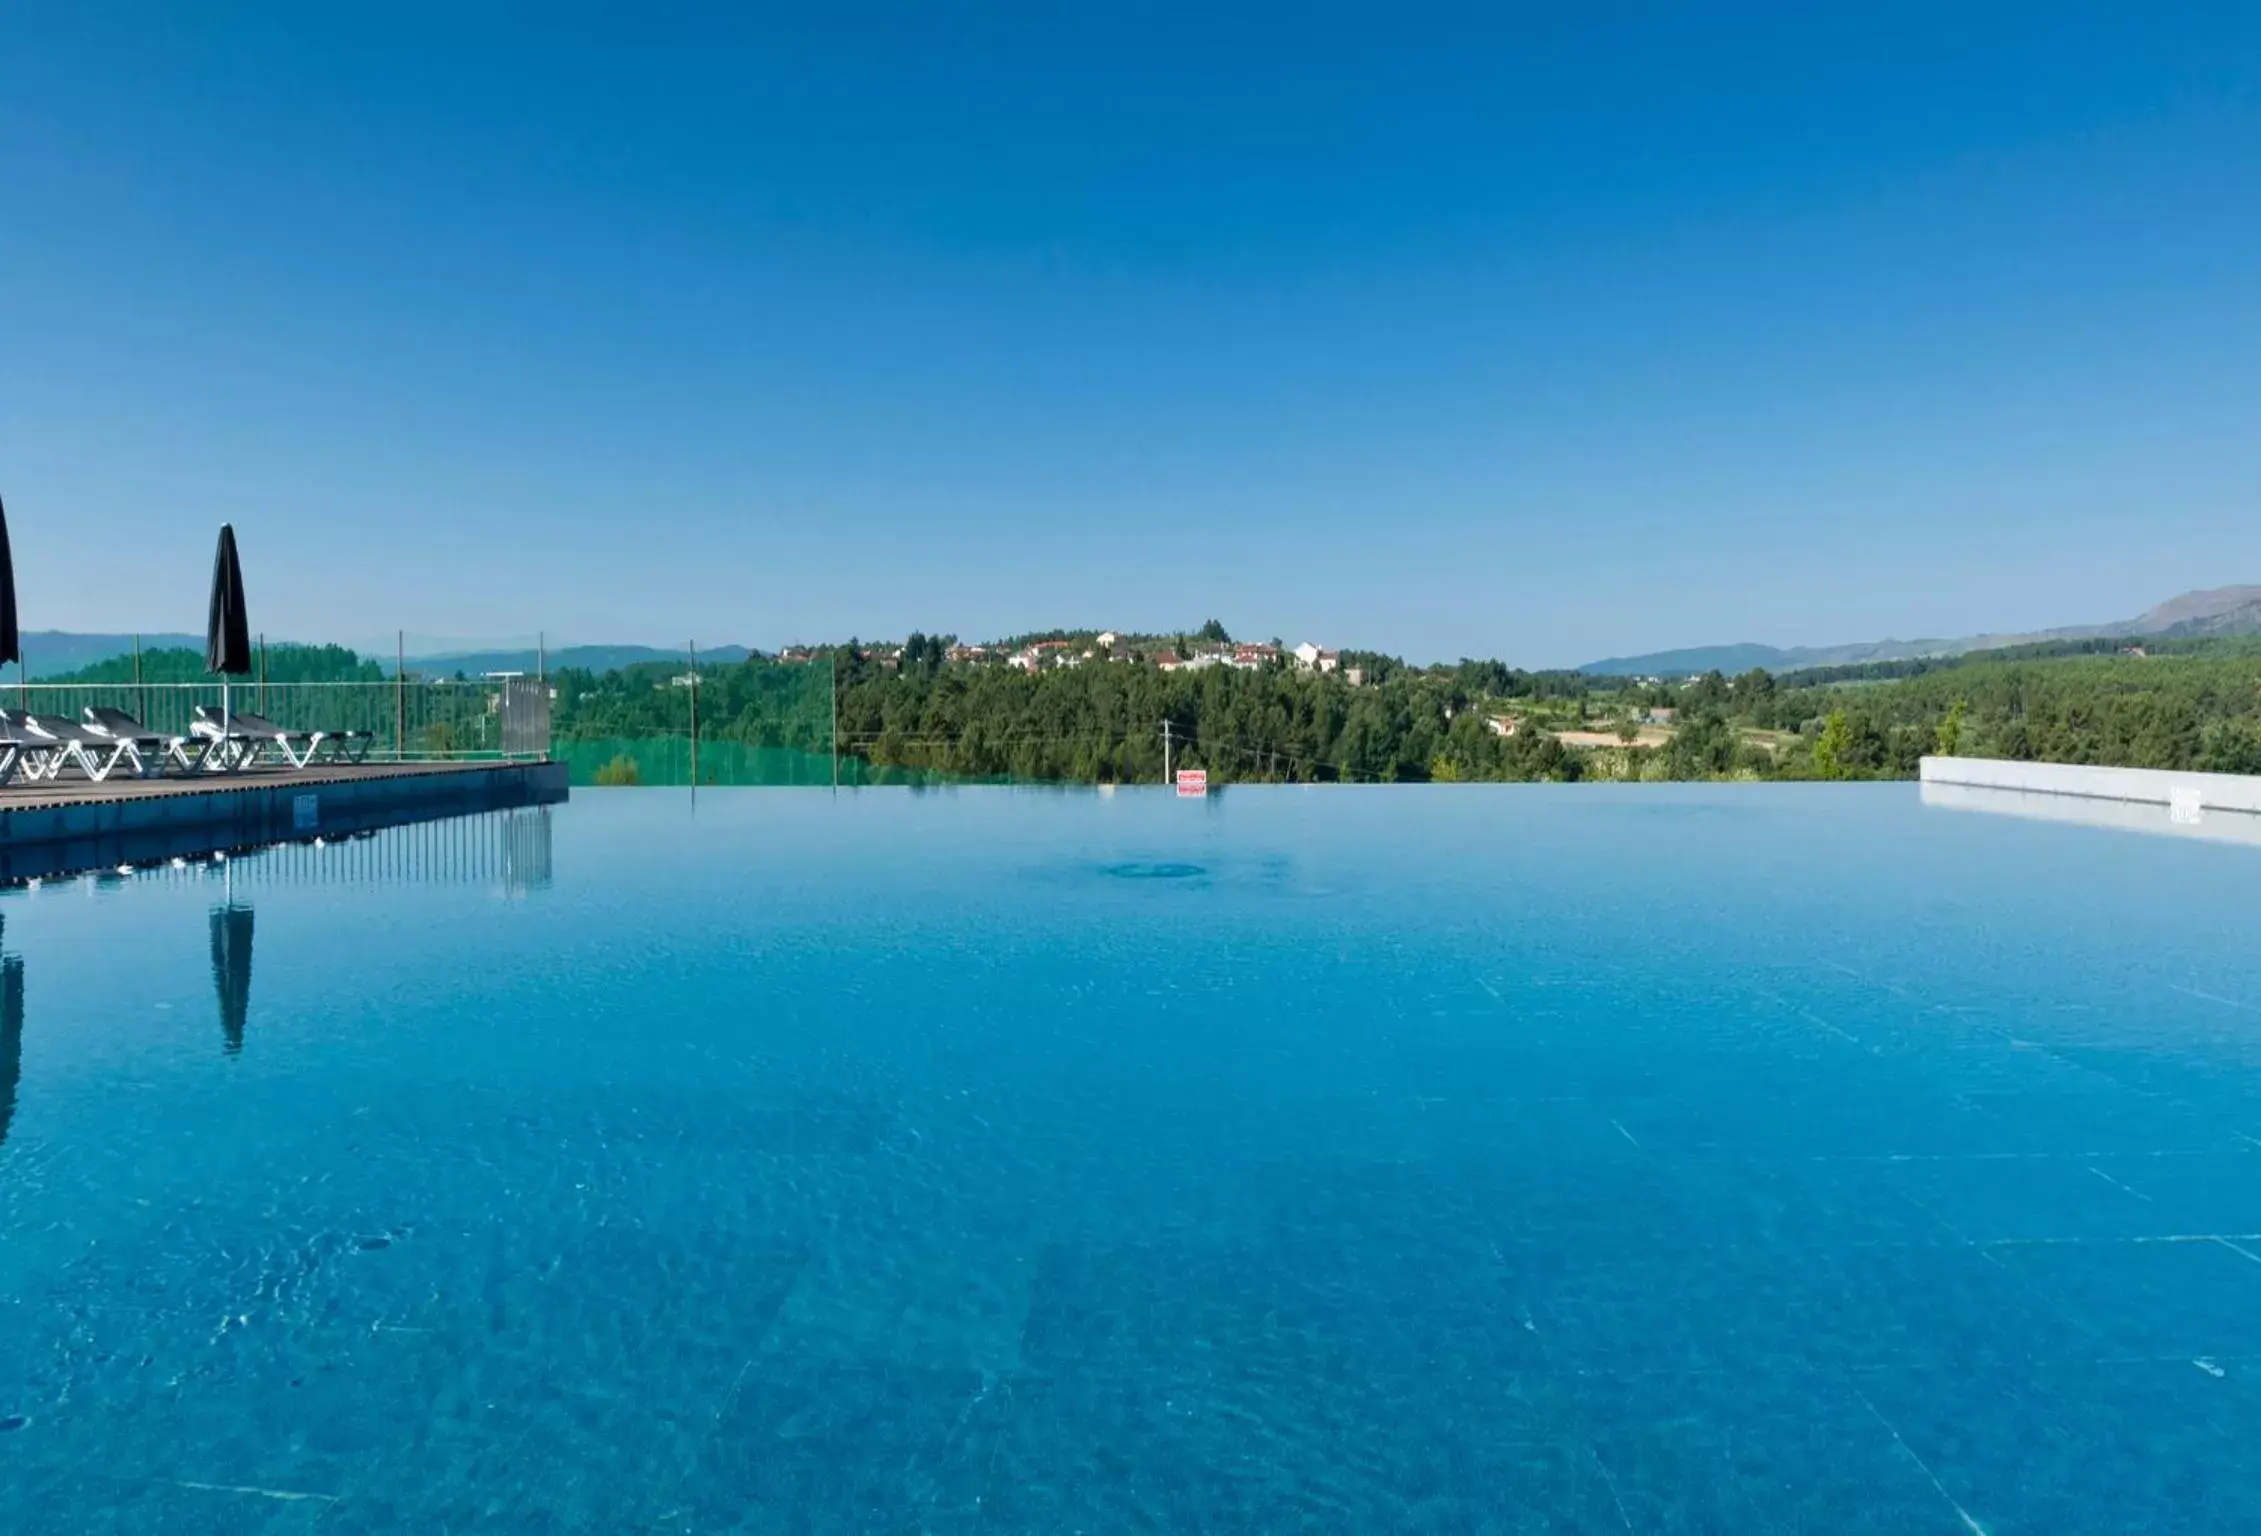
{"x": 231, "y": 969}
{"x": 11, "y": 1038}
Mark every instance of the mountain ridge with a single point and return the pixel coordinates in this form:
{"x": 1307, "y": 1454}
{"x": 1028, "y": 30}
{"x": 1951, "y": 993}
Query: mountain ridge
{"x": 50, "y": 651}
{"x": 2234, "y": 610}
{"x": 592, "y": 658}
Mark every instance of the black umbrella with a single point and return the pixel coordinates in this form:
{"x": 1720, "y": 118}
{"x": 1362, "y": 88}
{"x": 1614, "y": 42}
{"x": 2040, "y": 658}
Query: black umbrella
{"x": 10, "y": 639}
{"x": 231, "y": 970}
{"x": 227, "y": 632}
{"x": 11, "y": 642}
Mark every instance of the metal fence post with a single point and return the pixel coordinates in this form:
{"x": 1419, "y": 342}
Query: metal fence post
{"x": 542, "y": 686}
{"x": 400, "y": 695}
{"x": 140, "y": 691}
{"x": 694, "y": 714}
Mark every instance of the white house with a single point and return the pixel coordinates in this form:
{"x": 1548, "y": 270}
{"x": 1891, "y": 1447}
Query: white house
{"x": 1311, "y": 659}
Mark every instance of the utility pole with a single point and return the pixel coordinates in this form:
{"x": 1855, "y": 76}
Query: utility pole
{"x": 1165, "y": 751}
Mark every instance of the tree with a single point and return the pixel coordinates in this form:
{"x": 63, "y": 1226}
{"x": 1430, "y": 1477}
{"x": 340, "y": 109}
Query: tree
{"x": 1833, "y": 745}
{"x": 1215, "y": 631}
{"x": 2169, "y": 736}
{"x": 2233, "y": 747}
{"x": 1950, "y": 738}
{"x": 1701, "y": 748}
{"x": 1850, "y": 746}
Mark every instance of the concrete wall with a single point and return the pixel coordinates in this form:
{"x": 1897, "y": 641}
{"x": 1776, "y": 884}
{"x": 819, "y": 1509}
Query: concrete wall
{"x": 2088, "y": 811}
{"x": 2183, "y": 793}
{"x": 39, "y": 840}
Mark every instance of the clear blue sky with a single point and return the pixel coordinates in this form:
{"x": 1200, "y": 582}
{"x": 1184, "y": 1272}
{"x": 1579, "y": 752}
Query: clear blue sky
{"x": 1546, "y": 331}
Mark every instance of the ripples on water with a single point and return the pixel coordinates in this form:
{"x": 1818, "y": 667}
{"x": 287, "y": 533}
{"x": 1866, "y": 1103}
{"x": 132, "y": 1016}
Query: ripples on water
{"x": 1471, "y": 1160}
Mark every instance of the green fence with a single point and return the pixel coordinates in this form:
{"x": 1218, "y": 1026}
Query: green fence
{"x": 658, "y": 723}
{"x": 408, "y": 718}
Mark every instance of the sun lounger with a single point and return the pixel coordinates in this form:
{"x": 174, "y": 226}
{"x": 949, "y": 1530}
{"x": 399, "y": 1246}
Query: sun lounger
{"x": 248, "y": 735}
{"x": 97, "y": 757}
{"x": 225, "y": 751}
{"x": 151, "y": 750}
{"x": 33, "y": 755}
{"x": 25, "y": 756}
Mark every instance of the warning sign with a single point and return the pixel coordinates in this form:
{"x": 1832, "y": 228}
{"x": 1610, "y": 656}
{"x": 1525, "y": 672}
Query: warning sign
{"x": 1193, "y": 781}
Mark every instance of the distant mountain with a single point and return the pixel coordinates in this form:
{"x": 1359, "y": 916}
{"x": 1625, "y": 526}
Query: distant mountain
{"x": 48, "y": 652}
{"x": 592, "y": 658}
{"x": 52, "y": 652}
{"x": 2221, "y": 611}
{"x": 2217, "y": 611}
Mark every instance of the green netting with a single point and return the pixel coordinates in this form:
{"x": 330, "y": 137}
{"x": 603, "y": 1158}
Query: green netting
{"x": 666, "y": 760}
{"x": 757, "y": 722}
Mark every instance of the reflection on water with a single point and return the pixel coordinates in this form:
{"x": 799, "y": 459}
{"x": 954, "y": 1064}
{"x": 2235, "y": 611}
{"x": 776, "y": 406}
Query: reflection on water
{"x": 231, "y": 970}
{"x": 2210, "y": 825}
{"x": 525, "y": 843}
{"x": 11, "y": 1038}
{"x": 507, "y": 851}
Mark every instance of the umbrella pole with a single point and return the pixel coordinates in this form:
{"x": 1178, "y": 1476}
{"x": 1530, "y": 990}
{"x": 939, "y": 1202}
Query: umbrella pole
{"x": 224, "y": 749}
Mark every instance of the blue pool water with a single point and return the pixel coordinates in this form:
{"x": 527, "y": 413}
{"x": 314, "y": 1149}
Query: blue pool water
{"x": 1659, "y": 1159}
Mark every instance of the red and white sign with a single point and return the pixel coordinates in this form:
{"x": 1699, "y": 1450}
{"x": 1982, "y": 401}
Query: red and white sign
{"x": 1193, "y": 781}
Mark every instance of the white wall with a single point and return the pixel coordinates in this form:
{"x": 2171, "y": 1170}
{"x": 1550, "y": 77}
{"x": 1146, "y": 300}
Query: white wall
{"x": 2146, "y": 786}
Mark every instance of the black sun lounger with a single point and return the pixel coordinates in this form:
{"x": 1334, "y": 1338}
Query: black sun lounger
{"x": 151, "y": 750}
{"x": 59, "y": 743}
{"x": 27, "y": 755}
{"x": 248, "y": 735}
{"x": 97, "y": 756}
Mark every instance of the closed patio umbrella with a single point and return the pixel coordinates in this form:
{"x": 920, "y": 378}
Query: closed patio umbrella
{"x": 227, "y": 631}
{"x": 231, "y": 970}
{"x": 11, "y": 639}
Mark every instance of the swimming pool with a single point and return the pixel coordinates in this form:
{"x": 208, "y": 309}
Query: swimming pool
{"x": 1657, "y": 1159}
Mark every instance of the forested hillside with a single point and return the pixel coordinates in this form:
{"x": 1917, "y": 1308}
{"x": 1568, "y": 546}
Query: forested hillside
{"x": 2197, "y": 708}
{"x": 2190, "y": 704}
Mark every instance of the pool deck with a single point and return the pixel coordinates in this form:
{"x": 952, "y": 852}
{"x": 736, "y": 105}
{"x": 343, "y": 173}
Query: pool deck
{"x": 73, "y": 825}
